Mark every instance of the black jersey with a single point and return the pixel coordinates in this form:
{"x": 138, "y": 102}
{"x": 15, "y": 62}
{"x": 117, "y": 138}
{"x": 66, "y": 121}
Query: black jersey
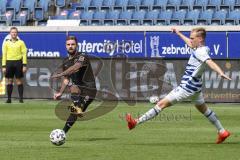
{"x": 84, "y": 76}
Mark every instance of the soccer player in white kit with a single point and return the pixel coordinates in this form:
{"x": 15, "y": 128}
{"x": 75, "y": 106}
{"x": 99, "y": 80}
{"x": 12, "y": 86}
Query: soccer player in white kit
{"x": 191, "y": 84}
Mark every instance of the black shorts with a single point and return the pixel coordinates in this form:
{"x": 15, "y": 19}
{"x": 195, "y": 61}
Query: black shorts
{"x": 14, "y": 68}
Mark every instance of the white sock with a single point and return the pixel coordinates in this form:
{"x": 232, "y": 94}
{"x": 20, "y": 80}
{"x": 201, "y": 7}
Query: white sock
{"x": 153, "y": 112}
{"x": 212, "y": 117}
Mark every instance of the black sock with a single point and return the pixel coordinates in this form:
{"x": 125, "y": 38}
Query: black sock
{"x": 9, "y": 90}
{"x": 20, "y": 91}
{"x": 69, "y": 123}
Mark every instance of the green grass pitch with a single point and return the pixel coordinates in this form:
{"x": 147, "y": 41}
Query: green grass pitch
{"x": 180, "y": 133}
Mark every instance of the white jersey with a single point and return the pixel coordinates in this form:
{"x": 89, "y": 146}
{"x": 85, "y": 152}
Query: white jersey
{"x": 192, "y": 78}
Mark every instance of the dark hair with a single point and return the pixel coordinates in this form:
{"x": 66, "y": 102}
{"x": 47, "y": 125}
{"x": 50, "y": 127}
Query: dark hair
{"x": 13, "y": 28}
{"x": 72, "y": 38}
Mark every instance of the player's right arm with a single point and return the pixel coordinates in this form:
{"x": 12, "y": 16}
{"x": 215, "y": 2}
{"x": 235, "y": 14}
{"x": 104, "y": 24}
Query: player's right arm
{"x": 183, "y": 37}
{"x": 63, "y": 87}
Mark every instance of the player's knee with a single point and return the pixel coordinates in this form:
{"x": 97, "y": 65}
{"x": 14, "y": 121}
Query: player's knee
{"x": 75, "y": 90}
{"x": 75, "y": 99}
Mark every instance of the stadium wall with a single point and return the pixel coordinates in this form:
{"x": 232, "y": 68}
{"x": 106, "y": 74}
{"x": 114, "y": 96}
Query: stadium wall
{"x": 132, "y": 62}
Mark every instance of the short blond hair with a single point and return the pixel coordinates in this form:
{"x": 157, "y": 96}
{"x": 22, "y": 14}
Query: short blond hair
{"x": 201, "y": 32}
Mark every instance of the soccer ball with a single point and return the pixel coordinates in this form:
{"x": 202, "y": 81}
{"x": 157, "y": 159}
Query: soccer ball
{"x": 57, "y": 137}
{"x": 153, "y": 99}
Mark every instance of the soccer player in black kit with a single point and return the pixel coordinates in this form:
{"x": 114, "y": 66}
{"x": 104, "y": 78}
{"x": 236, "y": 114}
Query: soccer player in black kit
{"x": 79, "y": 77}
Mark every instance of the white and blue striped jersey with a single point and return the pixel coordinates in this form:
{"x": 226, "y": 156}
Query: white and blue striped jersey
{"x": 192, "y": 78}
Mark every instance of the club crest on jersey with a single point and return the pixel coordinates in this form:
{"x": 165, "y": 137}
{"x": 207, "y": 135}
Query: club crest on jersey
{"x": 81, "y": 58}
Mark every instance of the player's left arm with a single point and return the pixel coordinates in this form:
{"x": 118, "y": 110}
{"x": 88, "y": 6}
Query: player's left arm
{"x": 216, "y": 68}
{"x": 24, "y": 56}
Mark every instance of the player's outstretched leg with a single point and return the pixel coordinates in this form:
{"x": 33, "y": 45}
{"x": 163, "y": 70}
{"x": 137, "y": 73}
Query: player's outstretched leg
{"x": 212, "y": 117}
{"x": 153, "y": 112}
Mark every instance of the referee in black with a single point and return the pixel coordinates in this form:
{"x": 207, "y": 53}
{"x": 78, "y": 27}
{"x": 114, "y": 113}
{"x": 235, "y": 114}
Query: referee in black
{"x": 14, "y": 63}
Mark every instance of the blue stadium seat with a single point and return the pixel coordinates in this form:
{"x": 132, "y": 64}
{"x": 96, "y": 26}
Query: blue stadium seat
{"x": 229, "y": 2}
{"x": 188, "y": 2}
{"x": 220, "y": 15}
{"x": 152, "y": 15}
{"x": 192, "y": 15}
{"x": 201, "y": 2}
{"x": 97, "y": 3}
{"x": 161, "y": 2}
{"x": 44, "y": 5}
{"x": 215, "y": 2}
{"x": 122, "y": 3}
{"x": 112, "y": 15}
{"x": 30, "y": 4}
{"x": 166, "y": 16}
{"x": 134, "y": 2}
{"x": 140, "y": 15}
{"x": 124, "y": 17}
{"x": 85, "y": 3}
{"x": 38, "y": 14}
{"x": 3, "y": 5}
{"x": 99, "y": 15}
{"x": 87, "y": 15}
{"x": 235, "y": 14}
{"x": 60, "y": 3}
{"x": 108, "y": 2}
{"x": 179, "y": 16}
{"x": 206, "y": 16}
{"x": 148, "y": 2}
{"x": 98, "y": 18}
{"x": 174, "y": 2}
{"x": 9, "y": 15}
{"x": 16, "y": 4}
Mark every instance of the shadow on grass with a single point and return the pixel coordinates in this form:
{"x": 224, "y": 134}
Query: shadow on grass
{"x": 98, "y": 139}
{"x": 183, "y": 144}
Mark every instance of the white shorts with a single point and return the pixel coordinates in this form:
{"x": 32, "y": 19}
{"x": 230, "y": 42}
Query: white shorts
{"x": 179, "y": 94}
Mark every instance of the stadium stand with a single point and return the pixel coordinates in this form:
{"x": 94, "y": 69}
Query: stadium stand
{"x": 121, "y": 12}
